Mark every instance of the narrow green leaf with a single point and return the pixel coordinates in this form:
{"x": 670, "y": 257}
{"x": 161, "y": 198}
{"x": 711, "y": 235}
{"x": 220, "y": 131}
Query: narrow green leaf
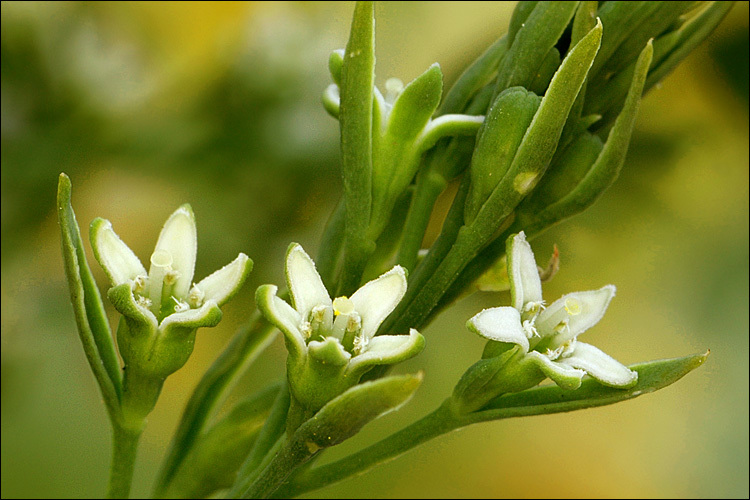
{"x": 537, "y": 34}
{"x": 584, "y": 21}
{"x": 93, "y": 328}
{"x": 476, "y": 76}
{"x": 539, "y": 143}
{"x": 243, "y": 349}
{"x": 345, "y": 415}
{"x": 652, "y": 376}
{"x": 504, "y": 128}
{"x": 415, "y": 105}
{"x": 607, "y": 166}
{"x": 546, "y": 71}
{"x": 356, "y": 120}
{"x": 213, "y": 461}
{"x": 520, "y": 14}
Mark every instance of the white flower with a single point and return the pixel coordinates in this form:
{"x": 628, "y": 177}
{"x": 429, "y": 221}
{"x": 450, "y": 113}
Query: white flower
{"x": 548, "y": 336}
{"x": 163, "y": 297}
{"x": 322, "y": 333}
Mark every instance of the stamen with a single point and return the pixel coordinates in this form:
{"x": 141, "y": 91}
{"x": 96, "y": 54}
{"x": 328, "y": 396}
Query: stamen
{"x": 572, "y": 306}
{"x": 196, "y": 296}
{"x": 180, "y": 306}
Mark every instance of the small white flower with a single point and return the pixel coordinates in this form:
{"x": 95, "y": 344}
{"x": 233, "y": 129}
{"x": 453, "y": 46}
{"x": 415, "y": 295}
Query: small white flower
{"x": 548, "y": 336}
{"x": 163, "y": 296}
{"x": 336, "y": 332}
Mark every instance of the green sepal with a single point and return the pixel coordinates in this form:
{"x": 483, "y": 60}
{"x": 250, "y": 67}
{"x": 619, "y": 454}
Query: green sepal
{"x": 504, "y": 128}
{"x": 652, "y": 376}
{"x": 216, "y": 455}
{"x": 508, "y": 371}
{"x": 345, "y": 415}
{"x": 93, "y": 327}
{"x": 539, "y": 143}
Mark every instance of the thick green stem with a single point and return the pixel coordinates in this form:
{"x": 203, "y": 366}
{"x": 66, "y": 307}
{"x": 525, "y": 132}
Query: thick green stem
{"x": 124, "y": 447}
{"x": 439, "y": 422}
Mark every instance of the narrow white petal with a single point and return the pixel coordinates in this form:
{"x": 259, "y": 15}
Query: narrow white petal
{"x": 579, "y": 310}
{"x": 179, "y": 237}
{"x": 601, "y": 366}
{"x": 502, "y": 324}
{"x": 115, "y": 257}
{"x": 525, "y": 284}
{"x": 565, "y": 376}
{"x": 304, "y": 282}
{"x": 281, "y": 315}
{"x": 386, "y": 350}
{"x": 222, "y": 284}
{"x": 206, "y": 316}
{"x": 378, "y": 298}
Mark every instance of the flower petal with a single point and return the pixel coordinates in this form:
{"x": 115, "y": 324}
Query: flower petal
{"x": 525, "y": 284}
{"x": 282, "y": 316}
{"x": 501, "y": 324}
{"x": 139, "y": 317}
{"x": 179, "y": 237}
{"x": 207, "y": 315}
{"x": 378, "y": 298}
{"x": 221, "y": 285}
{"x": 581, "y": 311}
{"x": 387, "y": 350}
{"x": 304, "y": 282}
{"x": 329, "y": 351}
{"x": 601, "y": 366}
{"x": 565, "y": 376}
{"x": 116, "y": 258}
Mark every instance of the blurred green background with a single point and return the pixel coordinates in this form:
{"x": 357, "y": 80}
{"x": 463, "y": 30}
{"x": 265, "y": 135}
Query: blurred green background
{"x": 147, "y": 105}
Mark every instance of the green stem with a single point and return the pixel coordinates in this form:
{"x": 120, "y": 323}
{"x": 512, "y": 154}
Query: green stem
{"x": 440, "y": 421}
{"x": 124, "y": 447}
{"x": 269, "y": 435}
{"x": 429, "y": 187}
{"x": 292, "y": 455}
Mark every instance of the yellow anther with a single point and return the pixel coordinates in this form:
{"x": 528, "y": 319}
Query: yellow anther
{"x": 342, "y": 305}
{"x": 572, "y": 306}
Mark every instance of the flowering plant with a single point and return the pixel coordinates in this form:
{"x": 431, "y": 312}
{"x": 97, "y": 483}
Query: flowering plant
{"x": 533, "y": 132}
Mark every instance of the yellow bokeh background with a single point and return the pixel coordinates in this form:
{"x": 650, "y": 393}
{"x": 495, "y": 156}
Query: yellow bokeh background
{"x": 147, "y": 105}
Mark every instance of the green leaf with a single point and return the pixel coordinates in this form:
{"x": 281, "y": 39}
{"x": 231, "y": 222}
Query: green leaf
{"x": 652, "y": 376}
{"x": 518, "y": 19}
{"x": 539, "y": 143}
{"x": 604, "y": 170}
{"x": 546, "y": 71}
{"x": 93, "y": 328}
{"x": 415, "y": 105}
{"x": 345, "y": 415}
{"x": 476, "y": 76}
{"x": 213, "y": 461}
{"x": 243, "y": 349}
{"x": 536, "y": 35}
{"x": 356, "y": 120}
{"x": 504, "y": 128}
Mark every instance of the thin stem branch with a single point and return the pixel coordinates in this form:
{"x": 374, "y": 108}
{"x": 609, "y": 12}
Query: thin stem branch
{"x": 124, "y": 448}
